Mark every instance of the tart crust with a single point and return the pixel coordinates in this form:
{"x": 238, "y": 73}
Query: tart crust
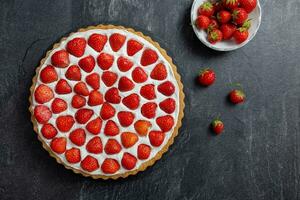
{"x": 143, "y": 165}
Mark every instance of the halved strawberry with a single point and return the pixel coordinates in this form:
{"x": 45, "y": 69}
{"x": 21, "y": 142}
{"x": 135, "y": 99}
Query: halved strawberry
{"x": 124, "y": 64}
{"x": 125, "y": 84}
{"x": 110, "y": 166}
{"x": 139, "y": 75}
{"x": 97, "y": 41}
{"x": 73, "y": 155}
{"x": 48, "y": 74}
{"x": 133, "y": 47}
{"x": 58, "y": 145}
{"x": 105, "y": 61}
{"x": 78, "y": 101}
{"x": 131, "y": 101}
{"x": 112, "y": 146}
{"x": 76, "y": 46}
{"x": 165, "y": 122}
{"x": 107, "y": 111}
{"x": 83, "y": 115}
{"x": 125, "y": 118}
{"x": 95, "y": 98}
{"x": 128, "y": 139}
{"x": 148, "y": 91}
{"x": 93, "y": 80}
{"x": 143, "y": 151}
{"x": 60, "y": 59}
{"x": 87, "y": 63}
{"x": 73, "y": 73}
{"x": 128, "y": 161}
{"x": 111, "y": 128}
{"x": 64, "y": 123}
{"x": 94, "y": 126}
{"x": 116, "y": 41}
{"x": 43, "y": 94}
{"x": 112, "y": 96}
{"x": 149, "y": 57}
{"x": 142, "y": 127}
{"x": 168, "y": 105}
{"x": 89, "y": 163}
{"x": 81, "y": 89}
{"x": 58, "y": 105}
{"x": 42, "y": 114}
{"x": 94, "y": 145}
{"x": 63, "y": 87}
{"x": 109, "y": 78}
{"x": 156, "y": 138}
{"x": 148, "y": 110}
{"x": 48, "y": 131}
{"x": 78, "y": 136}
{"x": 166, "y": 88}
{"x": 159, "y": 72}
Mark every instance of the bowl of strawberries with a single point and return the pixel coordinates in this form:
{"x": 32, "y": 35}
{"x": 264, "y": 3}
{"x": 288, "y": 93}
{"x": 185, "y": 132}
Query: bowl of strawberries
{"x": 225, "y": 25}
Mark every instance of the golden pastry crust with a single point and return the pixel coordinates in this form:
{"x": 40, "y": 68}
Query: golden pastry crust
{"x": 145, "y": 164}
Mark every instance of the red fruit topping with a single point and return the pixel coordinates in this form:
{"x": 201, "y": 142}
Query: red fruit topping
{"x": 97, "y": 41}
{"x": 125, "y": 84}
{"x": 142, "y": 127}
{"x": 42, "y": 114}
{"x": 166, "y": 88}
{"x": 132, "y": 101}
{"x": 156, "y": 138}
{"x": 105, "y": 61}
{"x": 207, "y": 77}
{"x": 206, "y": 9}
{"x": 125, "y": 118}
{"x": 87, "y": 63}
{"x": 81, "y": 89}
{"x": 64, "y": 123}
{"x": 78, "y": 101}
{"x": 159, "y": 72}
{"x": 112, "y": 146}
{"x": 83, "y": 115}
{"x": 168, "y": 105}
{"x": 43, "y": 94}
{"x": 109, "y": 78}
{"x": 94, "y": 126}
{"x": 143, "y": 151}
{"x": 60, "y": 59}
{"x": 224, "y": 16}
{"x": 49, "y": 131}
{"x": 237, "y": 96}
{"x": 48, "y": 74}
{"x": 73, "y": 73}
{"x": 76, "y": 46}
{"x": 112, "y": 96}
{"x": 107, "y": 111}
{"x": 124, "y": 64}
{"x": 165, "y": 123}
{"x": 78, "y": 136}
{"x": 116, "y": 41}
{"x": 227, "y": 31}
{"x": 111, "y": 128}
{"x": 94, "y": 145}
{"x": 133, "y": 47}
{"x": 149, "y": 57}
{"x": 149, "y": 110}
{"x": 217, "y": 126}
{"x": 128, "y": 161}
{"x": 215, "y": 36}
{"x": 110, "y": 166}
{"x": 63, "y": 87}
{"x": 148, "y": 91}
{"x": 95, "y": 98}
{"x": 93, "y": 80}
{"x": 128, "y": 139}
{"x": 58, "y": 145}
{"x": 73, "y": 155}
{"x": 58, "y": 105}
{"x": 139, "y": 75}
{"x": 89, "y": 163}
{"x": 202, "y": 22}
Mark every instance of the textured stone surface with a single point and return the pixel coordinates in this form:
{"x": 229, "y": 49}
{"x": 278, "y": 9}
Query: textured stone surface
{"x": 257, "y": 157}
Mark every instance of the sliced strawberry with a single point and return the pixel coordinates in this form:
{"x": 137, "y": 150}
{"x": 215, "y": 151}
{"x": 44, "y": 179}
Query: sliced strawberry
{"x": 89, "y": 163}
{"x": 83, "y": 115}
{"x": 48, "y": 131}
{"x": 43, "y": 94}
{"x": 109, "y": 78}
{"x": 128, "y": 139}
{"x": 63, "y": 87}
{"x": 60, "y": 59}
{"x": 125, "y": 84}
{"x": 81, "y": 89}
{"x": 124, "y": 64}
{"x": 73, "y": 155}
{"x": 58, "y": 105}
{"x": 132, "y": 101}
{"x": 64, "y": 123}
{"x": 116, "y": 41}
{"x": 110, "y": 166}
{"x": 143, "y": 151}
{"x": 87, "y": 63}
{"x": 58, "y": 145}
{"x": 148, "y": 91}
{"x": 125, "y": 118}
{"x": 73, "y": 73}
{"x": 168, "y": 105}
{"x": 97, "y": 41}
{"x": 95, "y": 98}
{"x": 156, "y": 138}
{"x": 42, "y": 114}
{"x": 93, "y": 80}
{"x": 139, "y": 75}
{"x": 112, "y": 96}
{"x": 105, "y": 61}
{"x": 149, "y": 57}
{"x": 128, "y": 161}
{"x": 111, "y": 128}
{"x": 48, "y": 74}
{"x": 112, "y": 146}
{"x": 78, "y": 101}
{"x": 94, "y": 126}
{"x": 149, "y": 110}
{"x": 94, "y": 145}
{"x": 133, "y": 47}
{"x": 159, "y": 72}
{"x": 166, "y": 88}
{"x": 78, "y": 136}
{"x": 76, "y": 46}
{"x": 107, "y": 111}
{"x": 142, "y": 127}
{"x": 165, "y": 122}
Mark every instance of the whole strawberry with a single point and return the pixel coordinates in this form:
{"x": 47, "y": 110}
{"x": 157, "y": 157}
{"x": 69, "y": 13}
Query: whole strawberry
{"x": 237, "y": 96}
{"x": 227, "y": 30}
{"x": 206, "y": 9}
{"x": 224, "y": 16}
{"x": 217, "y": 126}
{"x": 240, "y": 35}
{"x": 215, "y": 36}
{"x": 239, "y": 16}
{"x": 230, "y": 4}
{"x": 207, "y": 77}
{"x": 202, "y": 22}
{"x": 248, "y": 5}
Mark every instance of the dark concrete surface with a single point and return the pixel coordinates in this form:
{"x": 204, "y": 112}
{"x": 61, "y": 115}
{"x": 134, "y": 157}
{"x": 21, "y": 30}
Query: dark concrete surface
{"x": 257, "y": 157}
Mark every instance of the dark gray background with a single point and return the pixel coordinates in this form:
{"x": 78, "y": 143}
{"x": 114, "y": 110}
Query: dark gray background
{"x": 257, "y": 157}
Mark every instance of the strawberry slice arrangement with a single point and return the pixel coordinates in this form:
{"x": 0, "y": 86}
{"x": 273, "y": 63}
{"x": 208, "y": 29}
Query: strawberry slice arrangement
{"x": 224, "y": 20}
{"x": 105, "y": 102}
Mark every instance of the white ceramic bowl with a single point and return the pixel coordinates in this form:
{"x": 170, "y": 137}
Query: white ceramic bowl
{"x": 228, "y": 45}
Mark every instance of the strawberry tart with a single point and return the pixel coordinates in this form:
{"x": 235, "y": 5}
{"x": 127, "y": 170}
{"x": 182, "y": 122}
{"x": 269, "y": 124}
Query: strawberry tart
{"x": 106, "y": 102}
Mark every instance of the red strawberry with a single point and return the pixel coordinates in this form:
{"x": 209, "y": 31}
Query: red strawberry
{"x": 93, "y": 80}
{"x": 76, "y": 46}
{"x": 95, "y": 98}
{"x": 58, "y": 145}
{"x": 43, "y": 94}
{"x": 112, "y": 96}
{"x": 159, "y": 72}
{"x": 78, "y": 101}
{"x": 81, "y": 89}
{"x": 48, "y": 74}
{"x": 58, "y": 105}
{"x": 149, "y": 110}
{"x": 83, "y": 115}
{"x": 128, "y": 161}
{"x": 89, "y": 163}
{"x": 48, "y": 131}
{"x": 142, "y": 127}
{"x": 63, "y": 87}
{"x": 87, "y": 63}
{"x": 239, "y": 16}
{"x": 73, "y": 155}
{"x": 112, "y": 146}
{"x": 110, "y": 166}
{"x": 94, "y": 145}
{"x": 217, "y": 126}
{"x": 166, "y": 88}
{"x": 116, "y": 41}
{"x": 143, "y": 151}
{"x": 77, "y": 136}
{"x": 73, "y": 73}
{"x": 212, "y": 25}
{"x": 124, "y": 64}
{"x": 165, "y": 123}
{"x": 133, "y": 47}
{"x": 97, "y": 41}
{"x": 64, "y": 123}
{"x": 240, "y": 35}
{"x": 206, "y": 9}
{"x": 105, "y": 61}
{"x": 149, "y": 57}
{"x": 125, "y": 84}
{"x": 111, "y": 128}
{"x": 248, "y": 5}
{"x": 156, "y": 138}
{"x": 168, "y": 105}
{"x": 107, "y": 111}
{"x": 139, "y": 75}
{"x": 202, "y": 22}
{"x": 230, "y": 4}
{"x": 109, "y": 78}
{"x": 60, "y": 59}
{"x": 132, "y": 101}
{"x": 218, "y": 6}
{"x": 206, "y": 77}
{"x": 148, "y": 91}
{"x": 125, "y": 118}
{"x": 94, "y": 126}
{"x": 128, "y": 139}
{"x": 237, "y": 96}
{"x": 42, "y": 114}
{"x": 224, "y": 16}
{"x": 227, "y": 31}
{"x": 215, "y": 36}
